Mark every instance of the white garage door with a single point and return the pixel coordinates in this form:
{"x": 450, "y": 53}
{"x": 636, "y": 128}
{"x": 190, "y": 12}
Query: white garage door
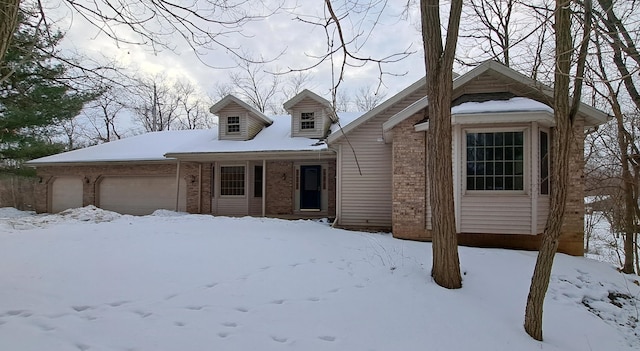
{"x": 66, "y": 192}
{"x": 140, "y": 195}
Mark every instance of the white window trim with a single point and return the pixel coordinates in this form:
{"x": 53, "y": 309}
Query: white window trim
{"x": 315, "y": 121}
{"x": 239, "y": 125}
{"x": 526, "y": 179}
{"x": 538, "y": 173}
{"x": 219, "y": 181}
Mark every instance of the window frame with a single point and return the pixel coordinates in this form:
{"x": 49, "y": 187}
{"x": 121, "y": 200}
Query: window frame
{"x": 257, "y": 181}
{"x": 526, "y": 164}
{"x": 307, "y": 117}
{"x": 231, "y": 187}
{"x": 234, "y": 124}
{"x": 540, "y": 178}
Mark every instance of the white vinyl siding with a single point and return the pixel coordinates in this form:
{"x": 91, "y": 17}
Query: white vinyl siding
{"x": 321, "y": 119}
{"x": 233, "y": 111}
{"x": 543, "y": 212}
{"x": 366, "y": 200}
{"x": 66, "y": 192}
{"x": 504, "y": 211}
{"x": 229, "y": 205}
{"x": 496, "y": 214}
{"x": 254, "y": 126}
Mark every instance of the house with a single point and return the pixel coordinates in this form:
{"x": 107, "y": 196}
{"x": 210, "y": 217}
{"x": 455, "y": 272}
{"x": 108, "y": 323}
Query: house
{"x": 367, "y": 172}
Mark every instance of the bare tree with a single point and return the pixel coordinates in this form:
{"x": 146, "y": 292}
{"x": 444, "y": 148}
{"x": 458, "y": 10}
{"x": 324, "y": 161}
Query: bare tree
{"x": 491, "y": 28}
{"x": 9, "y": 19}
{"x": 439, "y": 64}
{"x": 163, "y": 104}
{"x": 565, "y": 110}
{"x": 344, "y": 44}
{"x": 205, "y": 24}
{"x": 366, "y": 99}
{"x": 154, "y": 105}
{"x": 253, "y": 84}
{"x": 193, "y": 110}
{"x": 103, "y": 115}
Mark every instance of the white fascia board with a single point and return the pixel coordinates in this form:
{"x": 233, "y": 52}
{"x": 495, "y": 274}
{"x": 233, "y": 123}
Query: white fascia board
{"x": 406, "y": 113}
{"x": 543, "y": 118}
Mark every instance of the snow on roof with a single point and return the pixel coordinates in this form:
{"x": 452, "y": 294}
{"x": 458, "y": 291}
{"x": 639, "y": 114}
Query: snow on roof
{"x": 516, "y": 104}
{"x": 154, "y": 146}
{"x": 144, "y": 147}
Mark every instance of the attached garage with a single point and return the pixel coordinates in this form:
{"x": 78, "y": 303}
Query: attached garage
{"x": 140, "y": 195}
{"x": 66, "y": 192}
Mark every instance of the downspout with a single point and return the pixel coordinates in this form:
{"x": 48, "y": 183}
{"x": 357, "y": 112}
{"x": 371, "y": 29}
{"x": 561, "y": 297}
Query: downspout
{"x": 177, "y": 186}
{"x": 338, "y": 186}
{"x": 264, "y": 188}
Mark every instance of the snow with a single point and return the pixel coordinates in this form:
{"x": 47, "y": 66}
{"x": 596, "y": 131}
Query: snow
{"x": 89, "y": 279}
{"x": 155, "y": 145}
{"x": 516, "y": 104}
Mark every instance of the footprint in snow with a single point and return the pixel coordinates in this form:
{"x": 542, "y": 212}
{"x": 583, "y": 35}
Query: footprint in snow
{"x": 242, "y": 309}
{"x": 314, "y": 299}
{"x": 82, "y": 347}
{"x": 142, "y": 314}
{"x": 333, "y": 291}
{"x": 169, "y": 297}
{"x": 230, "y": 324}
{"x": 179, "y": 324}
{"x": 81, "y": 308}
{"x": 278, "y": 339}
{"x": 223, "y": 335}
{"x": 210, "y": 285}
{"x": 277, "y": 302}
{"x": 194, "y": 308}
{"x": 117, "y": 303}
{"x": 43, "y": 326}
{"x": 327, "y": 338}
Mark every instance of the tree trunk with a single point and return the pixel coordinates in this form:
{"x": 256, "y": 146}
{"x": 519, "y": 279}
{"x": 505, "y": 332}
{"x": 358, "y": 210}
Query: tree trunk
{"x": 559, "y": 172}
{"x": 439, "y": 66}
{"x": 8, "y": 21}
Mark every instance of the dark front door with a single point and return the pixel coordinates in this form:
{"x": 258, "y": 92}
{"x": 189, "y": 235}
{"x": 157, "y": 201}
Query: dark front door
{"x": 310, "y": 190}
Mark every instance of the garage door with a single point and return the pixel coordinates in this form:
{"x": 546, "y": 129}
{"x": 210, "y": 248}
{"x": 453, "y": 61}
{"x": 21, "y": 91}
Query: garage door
{"x": 140, "y": 195}
{"x": 66, "y": 192}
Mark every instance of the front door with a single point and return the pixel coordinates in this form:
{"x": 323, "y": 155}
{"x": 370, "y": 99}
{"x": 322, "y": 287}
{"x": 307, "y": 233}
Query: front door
{"x": 310, "y": 190}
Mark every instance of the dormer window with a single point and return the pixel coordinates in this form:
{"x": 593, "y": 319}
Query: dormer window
{"x": 307, "y": 121}
{"x": 233, "y": 124}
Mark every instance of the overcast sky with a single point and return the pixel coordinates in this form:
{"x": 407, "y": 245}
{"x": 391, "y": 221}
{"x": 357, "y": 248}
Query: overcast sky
{"x": 267, "y": 37}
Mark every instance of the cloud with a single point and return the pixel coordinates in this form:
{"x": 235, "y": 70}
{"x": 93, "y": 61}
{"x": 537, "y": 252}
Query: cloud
{"x": 292, "y": 42}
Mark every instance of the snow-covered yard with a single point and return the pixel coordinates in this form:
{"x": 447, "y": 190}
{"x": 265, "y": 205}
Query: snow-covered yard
{"x": 88, "y": 279}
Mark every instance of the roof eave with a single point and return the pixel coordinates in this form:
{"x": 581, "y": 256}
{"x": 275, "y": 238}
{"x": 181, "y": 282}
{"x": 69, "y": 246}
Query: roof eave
{"x": 383, "y": 106}
{"x": 99, "y": 163}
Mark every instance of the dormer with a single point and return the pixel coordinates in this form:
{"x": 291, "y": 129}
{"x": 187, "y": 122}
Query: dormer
{"x": 237, "y": 120}
{"x": 311, "y": 115}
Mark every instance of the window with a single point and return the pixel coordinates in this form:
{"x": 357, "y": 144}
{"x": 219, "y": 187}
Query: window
{"x": 233, "y": 124}
{"x": 307, "y": 121}
{"x": 544, "y": 163}
{"x": 495, "y": 161}
{"x": 232, "y": 180}
{"x": 257, "y": 181}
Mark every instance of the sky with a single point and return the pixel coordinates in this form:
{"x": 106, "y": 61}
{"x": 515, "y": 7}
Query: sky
{"x": 280, "y": 36}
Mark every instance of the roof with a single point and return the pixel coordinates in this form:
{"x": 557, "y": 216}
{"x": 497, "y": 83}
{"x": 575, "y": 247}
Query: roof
{"x": 306, "y": 94}
{"x": 592, "y": 115}
{"x": 166, "y": 145}
{"x": 145, "y": 147}
{"x": 229, "y": 99}
{"x": 346, "y": 128}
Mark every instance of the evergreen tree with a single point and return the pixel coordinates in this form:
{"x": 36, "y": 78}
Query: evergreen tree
{"x": 36, "y": 93}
